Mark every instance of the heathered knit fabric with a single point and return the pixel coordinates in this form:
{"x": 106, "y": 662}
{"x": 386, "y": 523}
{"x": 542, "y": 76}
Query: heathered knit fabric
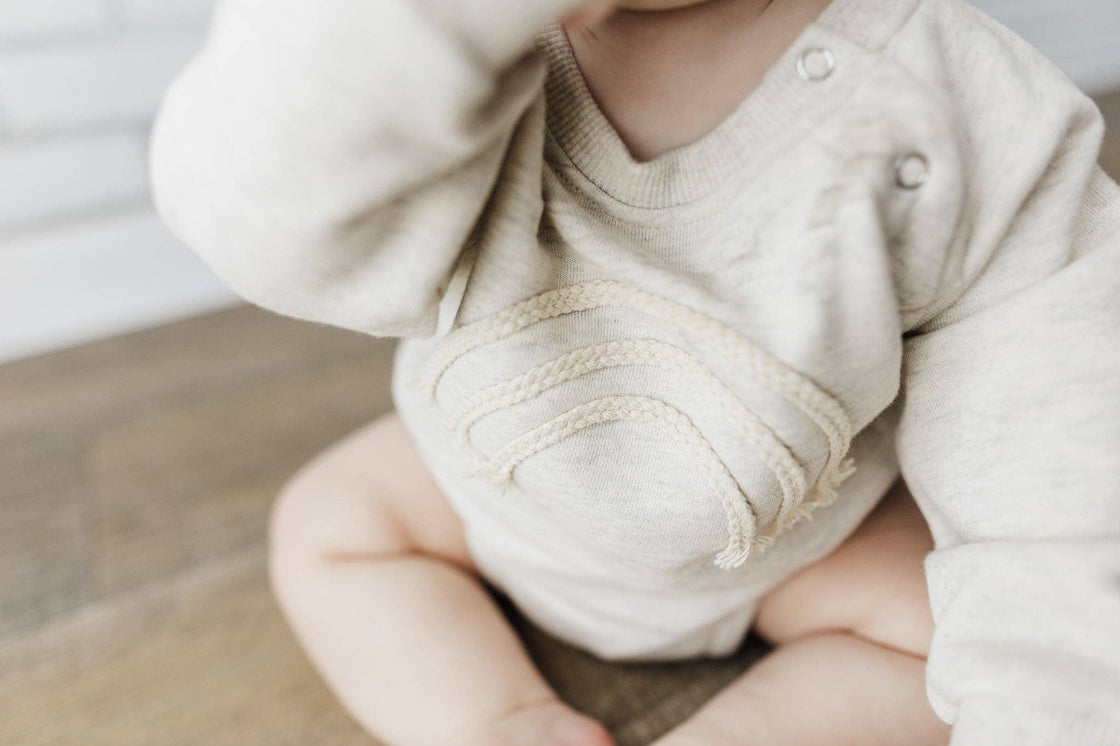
{"x": 644, "y": 386}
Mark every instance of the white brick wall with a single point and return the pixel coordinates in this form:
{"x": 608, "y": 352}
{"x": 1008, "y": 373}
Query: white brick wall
{"x": 101, "y": 82}
{"x": 55, "y": 178}
{"x": 96, "y": 276}
{"x": 1081, "y": 36}
{"x": 82, "y": 253}
{"x": 23, "y": 20}
{"x": 165, "y": 12}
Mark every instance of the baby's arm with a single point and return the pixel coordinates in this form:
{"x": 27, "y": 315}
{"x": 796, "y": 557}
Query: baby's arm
{"x": 329, "y": 158}
{"x": 1010, "y": 436}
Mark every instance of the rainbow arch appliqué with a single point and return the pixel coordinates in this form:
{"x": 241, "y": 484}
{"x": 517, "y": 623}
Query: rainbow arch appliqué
{"x": 746, "y": 537}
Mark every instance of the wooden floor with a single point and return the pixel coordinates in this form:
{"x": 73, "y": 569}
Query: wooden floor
{"x": 137, "y": 474}
{"x": 134, "y": 607}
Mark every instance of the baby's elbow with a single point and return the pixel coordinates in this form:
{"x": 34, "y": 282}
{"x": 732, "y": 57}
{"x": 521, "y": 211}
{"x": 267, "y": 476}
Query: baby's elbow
{"x": 203, "y": 221}
{"x": 277, "y": 240}
{"x": 383, "y": 309}
{"x": 217, "y": 178}
{"x": 289, "y": 265}
{"x": 190, "y": 179}
{"x": 217, "y": 209}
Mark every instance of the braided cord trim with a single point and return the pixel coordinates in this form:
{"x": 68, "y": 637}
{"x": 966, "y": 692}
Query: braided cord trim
{"x": 820, "y": 407}
{"x": 584, "y": 360}
{"x": 740, "y": 515}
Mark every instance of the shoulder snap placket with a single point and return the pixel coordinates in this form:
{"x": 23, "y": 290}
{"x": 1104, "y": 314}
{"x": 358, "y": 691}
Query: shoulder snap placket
{"x": 812, "y": 77}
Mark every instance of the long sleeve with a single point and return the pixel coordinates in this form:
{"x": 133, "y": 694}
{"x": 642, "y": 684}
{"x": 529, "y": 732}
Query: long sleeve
{"x": 329, "y": 158}
{"x": 1010, "y": 430}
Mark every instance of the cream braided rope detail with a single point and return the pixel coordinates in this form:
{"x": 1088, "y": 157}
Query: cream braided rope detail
{"x": 584, "y": 360}
{"x": 825, "y": 412}
{"x": 740, "y": 515}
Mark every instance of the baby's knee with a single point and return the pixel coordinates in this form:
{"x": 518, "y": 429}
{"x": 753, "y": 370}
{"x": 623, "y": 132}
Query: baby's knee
{"x": 322, "y": 515}
{"x": 902, "y": 622}
{"x": 885, "y": 607}
{"x": 294, "y": 510}
{"x": 872, "y": 586}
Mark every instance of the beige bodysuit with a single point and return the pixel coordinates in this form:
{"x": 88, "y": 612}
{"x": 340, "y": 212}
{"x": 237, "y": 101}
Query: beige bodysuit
{"x": 653, "y": 390}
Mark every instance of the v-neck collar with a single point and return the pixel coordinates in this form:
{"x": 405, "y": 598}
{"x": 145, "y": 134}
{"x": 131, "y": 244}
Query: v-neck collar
{"x": 852, "y": 31}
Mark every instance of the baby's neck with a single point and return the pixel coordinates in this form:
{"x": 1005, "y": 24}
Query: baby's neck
{"x": 667, "y": 78}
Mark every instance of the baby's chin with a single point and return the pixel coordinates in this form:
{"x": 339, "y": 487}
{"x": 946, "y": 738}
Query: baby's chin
{"x": 656, "y": 4}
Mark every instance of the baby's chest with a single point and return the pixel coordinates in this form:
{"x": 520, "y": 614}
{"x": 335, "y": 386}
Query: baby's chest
{"x": 673, "y": 434}
{"x": 685, "y": 382}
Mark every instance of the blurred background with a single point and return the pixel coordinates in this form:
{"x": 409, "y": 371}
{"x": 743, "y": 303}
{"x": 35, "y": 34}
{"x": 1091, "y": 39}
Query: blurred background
{"x": 79, "y": 84}
{"x": 147, "y": 417}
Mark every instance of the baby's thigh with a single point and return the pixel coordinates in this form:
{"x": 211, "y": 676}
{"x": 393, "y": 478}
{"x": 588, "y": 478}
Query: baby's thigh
{"x": 873, "y": 585}
{"x": 367, "y": 496}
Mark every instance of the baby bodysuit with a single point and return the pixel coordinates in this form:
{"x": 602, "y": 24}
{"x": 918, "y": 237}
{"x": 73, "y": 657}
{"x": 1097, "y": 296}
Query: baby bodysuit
{"x": 652, "y": 391}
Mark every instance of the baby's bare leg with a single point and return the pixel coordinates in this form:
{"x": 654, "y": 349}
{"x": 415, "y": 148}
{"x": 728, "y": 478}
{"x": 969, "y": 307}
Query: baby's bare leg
{"x": 369, "y": 564}
{"x": 852, "y": 632}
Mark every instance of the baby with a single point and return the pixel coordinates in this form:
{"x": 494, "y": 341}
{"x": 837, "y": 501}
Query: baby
{"x": 685, "y": 286}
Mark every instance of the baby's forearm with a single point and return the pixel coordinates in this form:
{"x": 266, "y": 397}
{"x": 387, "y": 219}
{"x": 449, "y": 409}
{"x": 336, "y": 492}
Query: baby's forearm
{"x": 316, "y": 149}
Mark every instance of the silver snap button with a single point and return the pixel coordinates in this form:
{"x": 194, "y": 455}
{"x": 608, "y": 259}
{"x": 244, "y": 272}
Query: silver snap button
{"x": 911, "y": 170}
{"x": 816, "y": 64}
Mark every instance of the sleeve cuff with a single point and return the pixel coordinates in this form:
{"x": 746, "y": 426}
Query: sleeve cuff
{"x": 500, "y": 30}
{"x": 988, "y": 723}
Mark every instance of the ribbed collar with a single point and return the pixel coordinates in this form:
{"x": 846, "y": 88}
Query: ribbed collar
{"x": 781, "y": 106}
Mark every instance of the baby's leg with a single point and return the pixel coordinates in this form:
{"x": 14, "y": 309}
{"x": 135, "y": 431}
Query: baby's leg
{"x": 852, "y": 632}
{"x": 369, "y": 564}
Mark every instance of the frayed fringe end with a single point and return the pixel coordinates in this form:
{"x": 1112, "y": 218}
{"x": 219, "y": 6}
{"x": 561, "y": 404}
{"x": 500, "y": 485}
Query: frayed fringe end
{"x": 733, "y": 556}
{"x": 740, "y": 549}
{"x": 824, "y": 494}
{"x": 738, "y": 552}
{"x": 500, "y": 479}
{"x": 420, "y": 386}
{"x": 455, "y": 431}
